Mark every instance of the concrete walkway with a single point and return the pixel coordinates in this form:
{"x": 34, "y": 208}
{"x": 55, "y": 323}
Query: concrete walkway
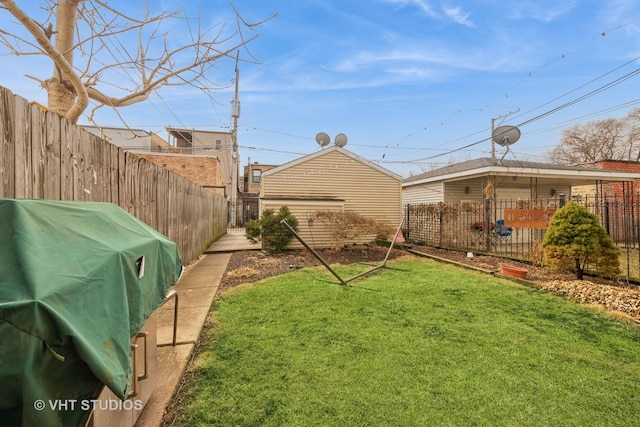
{"x": 196, "y": 290}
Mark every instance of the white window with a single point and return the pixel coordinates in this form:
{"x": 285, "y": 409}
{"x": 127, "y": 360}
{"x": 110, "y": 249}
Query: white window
{"x": 255, "y": 176}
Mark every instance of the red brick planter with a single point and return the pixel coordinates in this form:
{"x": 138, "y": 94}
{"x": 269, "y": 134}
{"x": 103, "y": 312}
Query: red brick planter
{"x": 517, "y": 272}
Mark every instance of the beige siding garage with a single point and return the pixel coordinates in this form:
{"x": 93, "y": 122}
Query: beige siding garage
{"x": 332, "y": 179}
{"x": 312, "y": 231}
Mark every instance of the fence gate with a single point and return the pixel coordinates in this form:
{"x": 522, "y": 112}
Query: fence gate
{"x": 249, "y": 205}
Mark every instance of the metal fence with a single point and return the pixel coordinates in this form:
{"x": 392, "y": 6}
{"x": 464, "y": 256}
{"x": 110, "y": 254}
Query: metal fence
{"x": 515, "y": 228}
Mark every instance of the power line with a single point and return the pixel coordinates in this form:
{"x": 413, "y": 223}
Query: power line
{"x": 554, "y": 110}
{"x": 549, "y": 102}
{"x": 272, "y": 150}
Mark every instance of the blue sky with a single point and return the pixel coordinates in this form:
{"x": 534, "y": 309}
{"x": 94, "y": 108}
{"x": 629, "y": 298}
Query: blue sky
{"x": 410, "y": 82}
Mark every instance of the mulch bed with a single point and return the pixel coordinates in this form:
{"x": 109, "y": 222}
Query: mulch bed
{"x": 254, "y": 265}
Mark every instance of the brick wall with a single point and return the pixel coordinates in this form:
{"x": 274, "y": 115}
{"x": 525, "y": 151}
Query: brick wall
{"x": 248, "y": 185}
{"x": 617, "y": 188}
{"x": 204, "y": 171}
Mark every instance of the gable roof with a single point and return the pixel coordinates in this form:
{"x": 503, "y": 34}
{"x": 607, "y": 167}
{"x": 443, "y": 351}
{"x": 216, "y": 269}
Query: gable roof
{"x": 486, "y": 166}
{"x": 325, "y": 152}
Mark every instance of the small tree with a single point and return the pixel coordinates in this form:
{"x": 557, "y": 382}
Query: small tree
{"x": 575, "y": 239}
{"x": 275, "y": 237}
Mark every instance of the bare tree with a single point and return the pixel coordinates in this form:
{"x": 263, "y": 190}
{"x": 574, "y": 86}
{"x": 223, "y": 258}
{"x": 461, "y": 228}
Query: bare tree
{"x": 609, "y": 139}
{"x": 632, "y": 129}
{"x": 80, "y": 37}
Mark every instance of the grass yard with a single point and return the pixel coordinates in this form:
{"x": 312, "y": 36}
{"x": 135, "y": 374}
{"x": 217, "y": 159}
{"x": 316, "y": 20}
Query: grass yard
{"x": 420, "y": 343}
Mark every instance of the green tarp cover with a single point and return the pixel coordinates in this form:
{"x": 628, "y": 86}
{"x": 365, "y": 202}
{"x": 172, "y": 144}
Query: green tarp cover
{"x": 72, "y": 294}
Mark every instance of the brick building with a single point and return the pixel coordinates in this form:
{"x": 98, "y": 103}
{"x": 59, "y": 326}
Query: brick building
{"x": 205, "y": 171}
{"x": 618, "y": 189}
{"x": 253, "y": 175}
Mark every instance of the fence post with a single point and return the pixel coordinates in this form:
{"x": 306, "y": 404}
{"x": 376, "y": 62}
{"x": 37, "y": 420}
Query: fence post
{"x": 606, "y": 217}
{"x": 440, "y": 231}
{"x": 487, "y": 225}
{"x": 408, "y": 227}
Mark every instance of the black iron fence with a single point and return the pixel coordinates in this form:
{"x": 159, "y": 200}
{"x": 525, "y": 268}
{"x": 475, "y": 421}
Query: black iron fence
{"x": 515, "y": 228}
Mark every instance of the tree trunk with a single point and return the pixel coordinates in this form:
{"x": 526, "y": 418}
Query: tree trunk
{"x": 61, "y": 95}
{"x": 579, "y": 270}
{"x": 59, "y": 98}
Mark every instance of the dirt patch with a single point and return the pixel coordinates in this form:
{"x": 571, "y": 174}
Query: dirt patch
{"x": 251, "y": 266}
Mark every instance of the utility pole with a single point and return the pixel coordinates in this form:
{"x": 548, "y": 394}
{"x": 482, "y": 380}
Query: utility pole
{"x": 493, "y": 144}
{"x": 493, "y": 122}
{"x": 235, "y": 113}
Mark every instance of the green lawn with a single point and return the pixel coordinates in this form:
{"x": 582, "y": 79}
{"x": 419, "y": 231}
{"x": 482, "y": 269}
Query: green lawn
{"x": 418, "y": 344}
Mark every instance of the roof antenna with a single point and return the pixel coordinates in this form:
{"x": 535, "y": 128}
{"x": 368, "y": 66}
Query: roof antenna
{"x": 505, "y": 136}
{"x": 493, "y": 121}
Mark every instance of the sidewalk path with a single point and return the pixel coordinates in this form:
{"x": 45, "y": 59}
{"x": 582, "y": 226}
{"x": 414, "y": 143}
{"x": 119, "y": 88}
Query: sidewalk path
{"x": 196, "y": 290}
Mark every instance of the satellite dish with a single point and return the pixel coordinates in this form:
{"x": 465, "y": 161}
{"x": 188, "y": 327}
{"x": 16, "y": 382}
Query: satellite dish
{"x": 322, "y": 139}
{"x": 341, "y": 140}
{"x": 505, "y": 135}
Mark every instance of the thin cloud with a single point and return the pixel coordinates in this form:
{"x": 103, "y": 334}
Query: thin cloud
{"x": 441, "y": 13}
{"x": 538, "y": 10}
{"x": 621, "y": 11}
{"x": 458, "y": 16}
{"x": 423, "y": 5}
{"x": 469, "y": 58}
{"x": 412, "y": 73}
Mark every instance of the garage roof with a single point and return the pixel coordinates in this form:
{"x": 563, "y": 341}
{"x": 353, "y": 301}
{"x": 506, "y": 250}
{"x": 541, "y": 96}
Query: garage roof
{"x": 577, "y": 175}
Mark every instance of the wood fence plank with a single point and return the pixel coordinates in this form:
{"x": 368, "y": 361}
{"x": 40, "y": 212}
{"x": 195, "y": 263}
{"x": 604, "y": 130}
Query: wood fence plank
{"x": 79, "y": 158}
{"x": 162, "y": 200}
{"x": 68, "y": 159}
{"x": 22, "y": 147}
{"x": 117, "y": 181}
{"x": 38, "y": 154}
{"x": 7, "y": 147}
{"x": 43, "y": 155}
{"x": 52, "y": 186}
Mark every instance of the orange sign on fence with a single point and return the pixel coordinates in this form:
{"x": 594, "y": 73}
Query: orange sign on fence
{"x": 528, "y": 218}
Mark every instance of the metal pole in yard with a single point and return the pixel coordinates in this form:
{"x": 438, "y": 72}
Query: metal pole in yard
{"x": 310, "y": 249}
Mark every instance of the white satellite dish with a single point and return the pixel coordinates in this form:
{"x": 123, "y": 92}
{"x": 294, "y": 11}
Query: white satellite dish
{"x": 505, "y": 135}
{"x": 341, "y": 140}
{"x": 322, "y": 139}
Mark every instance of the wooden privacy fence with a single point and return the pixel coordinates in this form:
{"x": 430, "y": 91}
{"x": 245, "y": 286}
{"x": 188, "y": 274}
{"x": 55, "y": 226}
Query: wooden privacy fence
{"x": 44, "y": 156}
{"x": 515, "y": 228}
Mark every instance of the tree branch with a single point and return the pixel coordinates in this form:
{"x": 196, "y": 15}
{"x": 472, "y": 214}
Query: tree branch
{"x": 82, "y": 100}
{"x": 88, "y": 33}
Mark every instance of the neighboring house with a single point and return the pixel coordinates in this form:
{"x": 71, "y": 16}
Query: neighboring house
{"x": 617, "y": 189}
{"x": 201, "y": 156}
{"x": 253, "y": 176}
{"x": 213, "y": 144}
{"x": 203, "y": 170}
{"x": 331, "y": 179}
{"x": 507, "y": 179}
{"x": 248, "y": 198}
{"x": 523, "y": 196}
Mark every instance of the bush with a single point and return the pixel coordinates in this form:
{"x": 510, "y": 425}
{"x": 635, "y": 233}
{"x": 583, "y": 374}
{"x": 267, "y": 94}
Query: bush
{"x": 275, "y": 237}
{"x": 575, "y": 240}
{"x": 349, "y": 226}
